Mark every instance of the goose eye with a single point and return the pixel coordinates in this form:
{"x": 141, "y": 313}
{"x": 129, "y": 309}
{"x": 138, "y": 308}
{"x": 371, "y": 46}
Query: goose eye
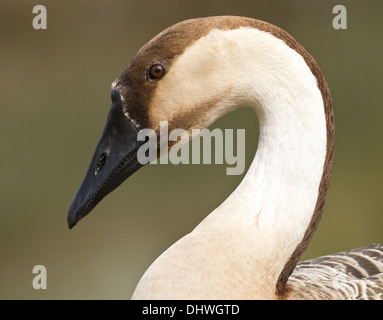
{"x": 156, "y": 71}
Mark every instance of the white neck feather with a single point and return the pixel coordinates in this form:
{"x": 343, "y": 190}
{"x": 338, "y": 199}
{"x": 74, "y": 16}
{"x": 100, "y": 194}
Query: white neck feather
{"x": 240, "y": 249}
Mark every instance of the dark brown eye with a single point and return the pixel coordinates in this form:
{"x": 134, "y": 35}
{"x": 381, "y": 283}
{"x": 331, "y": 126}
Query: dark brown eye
{"x": 156, "y": 71}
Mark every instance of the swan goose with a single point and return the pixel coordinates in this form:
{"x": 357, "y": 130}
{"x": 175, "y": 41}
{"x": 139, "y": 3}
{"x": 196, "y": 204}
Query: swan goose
{"x": 248, "y": 248}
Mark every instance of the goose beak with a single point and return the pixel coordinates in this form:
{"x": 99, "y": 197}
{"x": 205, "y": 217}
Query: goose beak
{"x": 114, "y": 160}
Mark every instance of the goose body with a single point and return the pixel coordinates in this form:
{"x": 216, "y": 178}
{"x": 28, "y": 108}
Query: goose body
{"x": 248, "y": 248}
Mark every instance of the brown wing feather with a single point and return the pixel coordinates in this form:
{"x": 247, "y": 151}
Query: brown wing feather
{"x": 355, "y": 274}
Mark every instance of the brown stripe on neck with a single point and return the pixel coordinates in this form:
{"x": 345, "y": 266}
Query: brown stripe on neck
{"x": 281, "y": 286}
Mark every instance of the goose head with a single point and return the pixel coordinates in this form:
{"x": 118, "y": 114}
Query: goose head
{"x": 169, "y": 79}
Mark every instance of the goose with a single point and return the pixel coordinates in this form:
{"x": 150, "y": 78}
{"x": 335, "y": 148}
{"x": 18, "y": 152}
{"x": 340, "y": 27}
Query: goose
{"x": 191, "y": 74}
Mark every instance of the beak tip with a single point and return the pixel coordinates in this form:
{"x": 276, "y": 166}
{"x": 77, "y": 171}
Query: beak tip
{"x": 71, "y": 225}
{"x": 71, "y": 220}
{"x": 73, "y": 216}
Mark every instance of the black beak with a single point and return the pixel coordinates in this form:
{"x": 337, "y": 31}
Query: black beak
{"x": 114, "y": 160}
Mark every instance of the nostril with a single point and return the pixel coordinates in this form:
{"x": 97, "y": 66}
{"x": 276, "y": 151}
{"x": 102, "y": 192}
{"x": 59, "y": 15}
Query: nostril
{"x": 100, "y": 163}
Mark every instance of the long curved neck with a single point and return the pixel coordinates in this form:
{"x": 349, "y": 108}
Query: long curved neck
{"x": 242, "y": 247}
{"x": 274, "y": 204}
{"x": 278, "y": 196}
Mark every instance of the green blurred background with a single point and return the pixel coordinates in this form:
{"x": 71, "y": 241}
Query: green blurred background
{"x": 54, "y": 98}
